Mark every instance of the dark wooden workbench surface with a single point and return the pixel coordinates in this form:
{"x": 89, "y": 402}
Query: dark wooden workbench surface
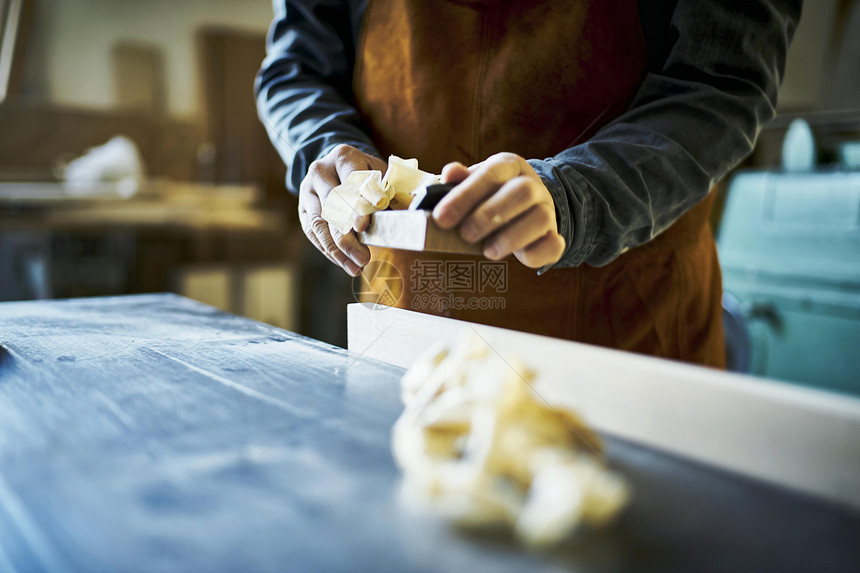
{"x": 153, "y": 433}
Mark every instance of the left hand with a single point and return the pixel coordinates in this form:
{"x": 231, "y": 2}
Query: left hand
{"x": 503, "y": 202}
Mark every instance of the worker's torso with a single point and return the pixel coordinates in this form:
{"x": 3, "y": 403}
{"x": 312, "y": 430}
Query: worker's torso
{"x": 461, "y": 80}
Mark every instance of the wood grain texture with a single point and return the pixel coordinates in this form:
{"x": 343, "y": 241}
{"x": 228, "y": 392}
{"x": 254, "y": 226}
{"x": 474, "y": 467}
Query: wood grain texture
{"x": 156, "y": 434}
{"x": 792, "y": 436}
{"x": 414, "y": 231}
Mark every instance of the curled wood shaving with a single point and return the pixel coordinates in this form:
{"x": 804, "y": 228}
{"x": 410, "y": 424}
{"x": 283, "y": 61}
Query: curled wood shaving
{"x": 402, "y": 179}
{"x": 360, "y": 194}
{"x": 477, "y": 446}
{"x": 365, "y": 192}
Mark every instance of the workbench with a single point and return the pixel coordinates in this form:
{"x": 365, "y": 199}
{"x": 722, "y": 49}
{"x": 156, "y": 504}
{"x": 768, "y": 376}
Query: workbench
{"x": 152, "y": 433}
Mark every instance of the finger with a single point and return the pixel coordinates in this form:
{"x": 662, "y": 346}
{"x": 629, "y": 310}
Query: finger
{"x": 520, "y": 233}
{"x": 306, "y": 228}
{"x": 321, "y": 178}
{"x": 512, "y": 200}
{"x": 349, "y": 244}
{"x": 316, "y": 243}
{"x": 321, "y": 230}
{"x": 348, "y": 159}
{"x": 454, "y": 172}
{"x": 545, "y": 251}
{"x": 486, "y": 179}
{"x": 309, "y": 210}
{"x": 311, "y": 204}
{"x": 361, "y": 223}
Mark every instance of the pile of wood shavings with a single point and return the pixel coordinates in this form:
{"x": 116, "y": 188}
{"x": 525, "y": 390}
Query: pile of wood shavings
{"x": 477, "y": 446}
{"x": 365, "y": 192}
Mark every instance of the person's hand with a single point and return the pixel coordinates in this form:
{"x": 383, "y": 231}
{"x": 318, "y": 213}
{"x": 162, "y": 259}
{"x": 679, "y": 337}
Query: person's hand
{"x": 503, "y": 202}
{"x": 323, "y": 175}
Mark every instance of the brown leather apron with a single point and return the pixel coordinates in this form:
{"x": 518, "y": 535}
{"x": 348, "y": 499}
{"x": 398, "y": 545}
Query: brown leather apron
{"x": 446, "y": 80}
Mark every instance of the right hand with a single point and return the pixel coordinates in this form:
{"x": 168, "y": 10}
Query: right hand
{"x": 323, "y": 175}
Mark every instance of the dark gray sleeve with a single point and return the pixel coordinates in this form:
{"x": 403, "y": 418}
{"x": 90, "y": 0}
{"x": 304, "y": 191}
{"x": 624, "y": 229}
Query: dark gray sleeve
{"x": 695, "y": 117}
{"x": 304, "y": 89}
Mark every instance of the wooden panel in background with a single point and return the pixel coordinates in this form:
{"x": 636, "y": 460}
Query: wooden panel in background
{"x": 34, "y": 136}
{"x": 139, "y": 78}
{"x": 230, "y": 60}
{"x": 209, "y": 284}
{"x": 270, "y": 295}
{"x": 264, "y": 292}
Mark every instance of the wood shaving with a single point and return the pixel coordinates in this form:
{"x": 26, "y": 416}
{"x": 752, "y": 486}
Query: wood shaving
{"x": 479, "y": 447}
{"x": 365, "y": 192}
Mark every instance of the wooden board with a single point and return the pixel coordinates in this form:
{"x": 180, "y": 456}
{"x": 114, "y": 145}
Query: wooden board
{"x": 414, "y": 231}
{"x": 795, "y": 437}
{"x": 154, "y": 434}
{"x": 139, "y": 82}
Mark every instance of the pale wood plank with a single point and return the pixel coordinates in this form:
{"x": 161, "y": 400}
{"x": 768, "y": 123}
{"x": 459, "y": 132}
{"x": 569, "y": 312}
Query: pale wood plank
{"x": 414, "y": 231}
